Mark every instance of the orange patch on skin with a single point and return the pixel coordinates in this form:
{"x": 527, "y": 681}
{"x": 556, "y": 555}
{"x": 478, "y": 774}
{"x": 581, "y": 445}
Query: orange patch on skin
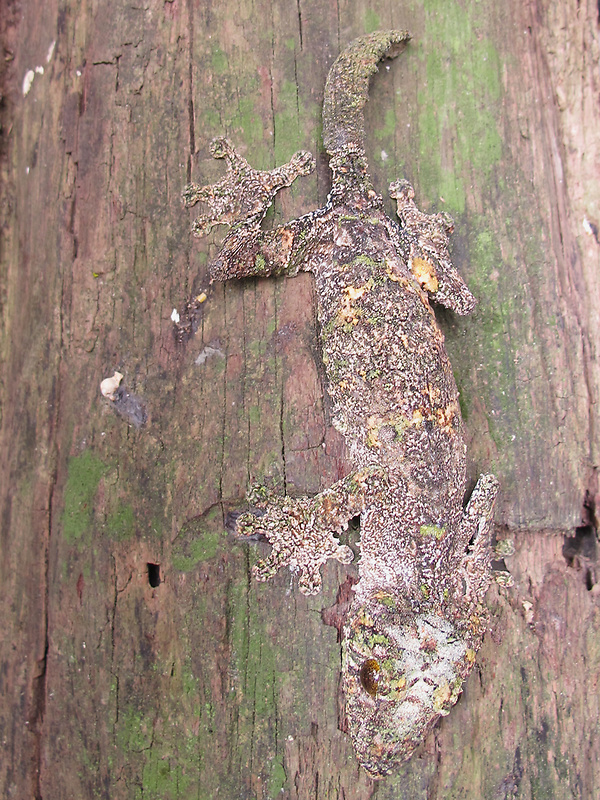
{"x": 418, "y": 417}
{"x": 348, "y": 314}
{"x": 393, "y": 273}
{"x": 373, "y": 433}
{"x": 286, "y": 239}
{"x": 444, "y": 417}
{"x": 397, "y": 421}
{"x": 355, "y": 292}
{"x": 424, "y": 272}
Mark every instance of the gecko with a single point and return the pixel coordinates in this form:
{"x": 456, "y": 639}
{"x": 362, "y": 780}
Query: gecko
{"x": 417, "y": 616}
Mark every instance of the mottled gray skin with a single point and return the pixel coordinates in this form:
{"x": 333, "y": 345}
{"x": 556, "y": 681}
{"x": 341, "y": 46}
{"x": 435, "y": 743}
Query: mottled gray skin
{"x": 418, "y": 616}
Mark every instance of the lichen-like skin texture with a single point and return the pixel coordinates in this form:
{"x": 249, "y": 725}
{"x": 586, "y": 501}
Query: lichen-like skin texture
{"x": 418, "y": 616}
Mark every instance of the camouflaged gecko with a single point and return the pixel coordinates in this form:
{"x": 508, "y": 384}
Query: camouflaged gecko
{"x": 417, "y": 617}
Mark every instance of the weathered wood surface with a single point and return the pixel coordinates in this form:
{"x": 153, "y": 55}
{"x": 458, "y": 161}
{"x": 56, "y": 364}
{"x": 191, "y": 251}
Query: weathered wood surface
{"x": 209, "y": 685}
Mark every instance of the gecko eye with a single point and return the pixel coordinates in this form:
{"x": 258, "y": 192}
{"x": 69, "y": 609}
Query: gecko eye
{"x": 369, "y": 676}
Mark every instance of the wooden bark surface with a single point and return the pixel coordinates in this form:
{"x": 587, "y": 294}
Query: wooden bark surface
{"x": 209, "y": 685}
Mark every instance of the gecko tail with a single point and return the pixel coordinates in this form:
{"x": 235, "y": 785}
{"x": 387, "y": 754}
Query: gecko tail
{"x": 347, "y": 88}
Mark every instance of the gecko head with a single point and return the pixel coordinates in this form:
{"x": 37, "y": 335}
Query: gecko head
{"x": 402, "y": 670}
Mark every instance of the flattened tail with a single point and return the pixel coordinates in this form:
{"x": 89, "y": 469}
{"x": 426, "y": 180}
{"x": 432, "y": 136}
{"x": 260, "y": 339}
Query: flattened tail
{"x": 347, "y": 89}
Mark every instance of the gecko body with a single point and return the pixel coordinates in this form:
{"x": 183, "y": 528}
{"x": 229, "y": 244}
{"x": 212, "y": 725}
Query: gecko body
{"x": 418, "y": 615}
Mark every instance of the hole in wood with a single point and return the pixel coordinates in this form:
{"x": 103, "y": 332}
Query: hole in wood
{"x": 153, "y": 575}
{"x": 581, "y": 553}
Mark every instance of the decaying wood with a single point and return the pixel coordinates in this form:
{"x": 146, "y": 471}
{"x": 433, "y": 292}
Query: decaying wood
{"x": 207, "y": 684}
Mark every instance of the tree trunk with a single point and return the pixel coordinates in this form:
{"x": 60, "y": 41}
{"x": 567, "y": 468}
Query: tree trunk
{"x": 139, "y": 658}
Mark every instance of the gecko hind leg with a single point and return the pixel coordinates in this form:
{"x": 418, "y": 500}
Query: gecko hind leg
{"x": 428, "y": 237}
{"x": 244, "y": 194}
{"x": 240, "y": 199}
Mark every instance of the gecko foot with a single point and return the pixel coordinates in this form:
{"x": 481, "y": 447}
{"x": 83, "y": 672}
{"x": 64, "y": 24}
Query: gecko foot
{"x": 429, "y": 258}
{"x": 297, "y": 534}
{"x": 475, "y": 533}
{"x": 244, "y": 193}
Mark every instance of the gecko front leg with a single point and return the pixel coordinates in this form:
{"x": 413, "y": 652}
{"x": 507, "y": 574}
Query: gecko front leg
{"x": 474, "y": 543}
{"x": 301, "y": 530}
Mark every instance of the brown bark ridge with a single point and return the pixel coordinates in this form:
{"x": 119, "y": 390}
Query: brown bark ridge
{"x": 138, "y": 659}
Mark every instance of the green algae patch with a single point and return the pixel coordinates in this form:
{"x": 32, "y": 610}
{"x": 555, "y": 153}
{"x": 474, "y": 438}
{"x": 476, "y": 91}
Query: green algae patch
{"x": 219, "y": 61}
{"x": 248, "y": 119}
{"x": 199, "y": 540}
{"x": 372, "y": 21}
{"x": 256, "y": 659}
{"x": 459, "y": 104}
{"x": 291, "y": 117}
{"x": 277, "y": 778}
{"x": 134, "y": 730}
{"x": 120, "y": 525}
{"x": 84, "y": 475}
{"x": 432, "y": 530}
{"x": 389, "y": 126}
{"x": 164, "y": 758}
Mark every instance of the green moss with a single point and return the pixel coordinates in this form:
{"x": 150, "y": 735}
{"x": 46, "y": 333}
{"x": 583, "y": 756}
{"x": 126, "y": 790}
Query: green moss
{"x": 372, "y": 374}
{"x": 389, "y": 126}
{"x": 171, "y": 777}
{"x": 378, "y": 638}
{"x": 336, "y": 368}
{"x": 84, "y": 474}
{"x": 432, "y": 530}
{"x": 369, "y": 262}
{"x": 156, "y": 526}
{"x": 250, "y": 122}
{"x": 372, "y": 21}
{"x": 277, "y": 779}
{"x": 457, "y": 103}
{"x": 254, "y": 415}
{"x": 120, "y": 525}
{"x": 211, "y": 121}
{"x": 329, "y": 327}
{"x": 134, "y": 731}
{"x": 164, "y": 759}
{"x": 254, "y": 658}
{"x": 257, "y": 349}
{"x": 289, "y": 112}
{"x": 199, "y": 540}
{"x": 219, "y": 61}
{"x": 271, "y": 326}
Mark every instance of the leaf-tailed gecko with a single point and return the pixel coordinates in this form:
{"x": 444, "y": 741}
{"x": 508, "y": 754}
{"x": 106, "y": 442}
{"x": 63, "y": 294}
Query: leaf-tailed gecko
{"x": 418, "y": 615}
